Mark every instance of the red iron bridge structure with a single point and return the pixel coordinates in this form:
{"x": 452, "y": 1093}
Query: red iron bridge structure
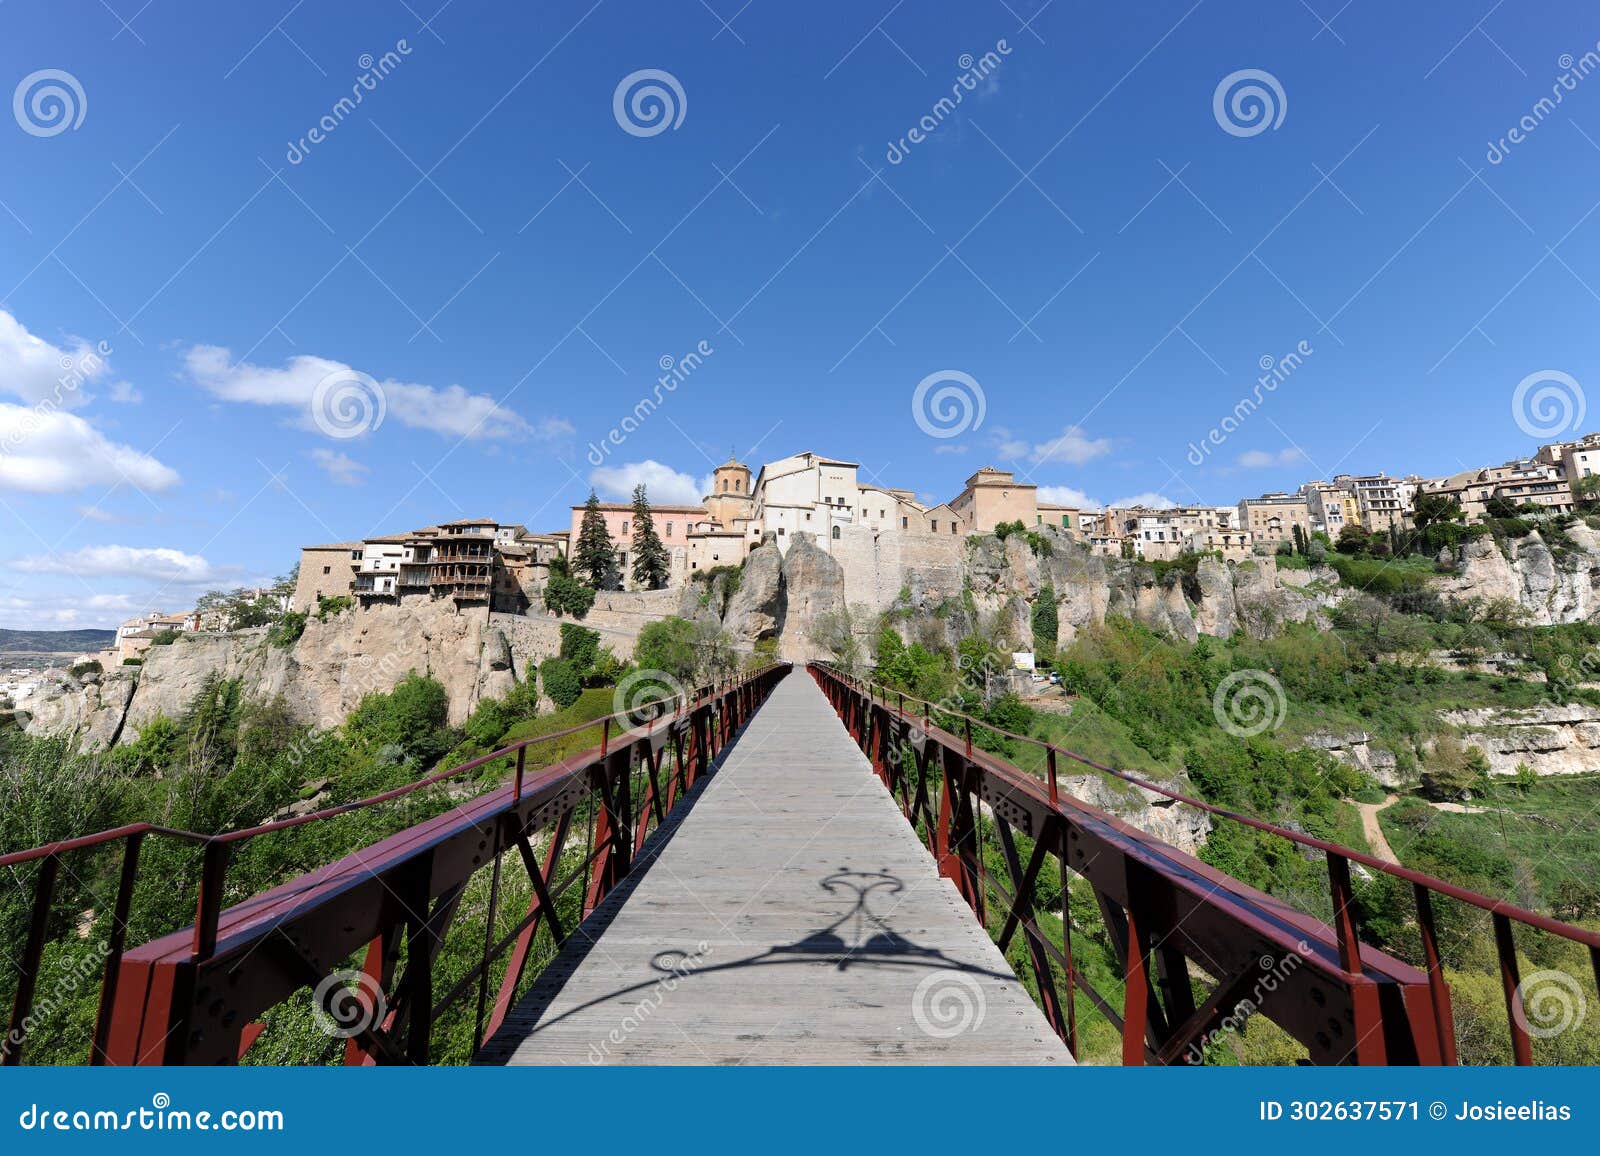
{"x": 794, "y": 866}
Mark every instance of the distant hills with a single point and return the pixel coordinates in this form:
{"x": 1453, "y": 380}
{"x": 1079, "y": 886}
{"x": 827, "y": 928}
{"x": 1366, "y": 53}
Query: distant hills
{"x": 54, "y": 641}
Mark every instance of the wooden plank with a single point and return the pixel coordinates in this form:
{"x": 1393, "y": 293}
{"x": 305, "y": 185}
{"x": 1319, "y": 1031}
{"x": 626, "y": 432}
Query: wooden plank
{"x": 787, "y": 914}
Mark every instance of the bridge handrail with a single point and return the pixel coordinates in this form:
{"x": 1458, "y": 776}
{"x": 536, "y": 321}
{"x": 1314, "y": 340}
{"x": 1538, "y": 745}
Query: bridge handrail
{"x": 1409, "y": 875}
{"x": 217, "y": 848}
{"x": 683, "y": 706}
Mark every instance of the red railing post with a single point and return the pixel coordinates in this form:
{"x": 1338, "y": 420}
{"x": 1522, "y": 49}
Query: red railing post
{"x": 208, "y": 907}
{"x": 44, "y": 889}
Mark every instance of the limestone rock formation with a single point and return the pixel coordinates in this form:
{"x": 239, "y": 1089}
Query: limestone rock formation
{"x": 813, "y": 590}
{"x": 1553, "y": 740}
{"x": 1551, "y": 590}
{"x": 756, "y": 610}
{"x": 1182, "y": 826}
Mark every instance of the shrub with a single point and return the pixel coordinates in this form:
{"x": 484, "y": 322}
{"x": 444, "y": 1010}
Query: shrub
{"x": 337, "y": 604}
{"x": 580, "y": 646}
{"x": 80, "y": 669}
{"x": 412, "y": 717}
{"x": 567, "y": 595}
{"x": 488, "y": 722}
{"x": 164, "y": 638}
{"x": 133, "y": 662}
{"x": 561, "y": 681}
{"x": 288, "y": 629}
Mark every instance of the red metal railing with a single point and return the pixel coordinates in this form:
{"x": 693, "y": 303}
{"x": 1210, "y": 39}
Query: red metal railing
{"x": 1157, "y": 901}
{"x": 194, "y": 996}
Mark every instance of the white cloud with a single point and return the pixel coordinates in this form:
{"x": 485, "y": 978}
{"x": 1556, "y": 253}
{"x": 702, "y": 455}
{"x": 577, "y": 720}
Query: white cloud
{"x": 123, "y": 392}
{"x": 49, "y": 452}
{"x": 665, "y": 485}
{"x": 156, "y": 563}
{"x": 1067, "y": 496}
{"x": 1257, "y": 459}
{"x": 1072, "y": 445}
{"x": 342, "y": 468}
{"x": 35, "y": 370}
{"x": 1149, "y": 499}
{"x": 95, "y": 514}
{"x": 450, "y": 411}
{"x": 947, "y": 448}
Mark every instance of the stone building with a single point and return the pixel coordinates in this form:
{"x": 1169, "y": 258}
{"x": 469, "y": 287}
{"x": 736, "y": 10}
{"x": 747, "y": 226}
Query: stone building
{"x": 992, "y": 496}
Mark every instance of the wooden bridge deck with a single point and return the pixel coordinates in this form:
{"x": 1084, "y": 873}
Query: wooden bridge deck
{"x": 786, "y": 914}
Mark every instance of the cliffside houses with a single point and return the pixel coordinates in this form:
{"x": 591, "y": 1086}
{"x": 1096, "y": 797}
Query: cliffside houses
{"x": 470, "y": 561}
{"x": 484, "y": 563}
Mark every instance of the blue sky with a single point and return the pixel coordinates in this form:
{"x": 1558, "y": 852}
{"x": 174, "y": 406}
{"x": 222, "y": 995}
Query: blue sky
{"x": 508, "y": 265}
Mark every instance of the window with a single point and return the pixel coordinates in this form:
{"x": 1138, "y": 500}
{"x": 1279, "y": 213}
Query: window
{"x": 836, "y": 533}
{"x": 953, "y": 529}
{"x": 327, "y": 569}
{"x": 905, "y": 523}
{"x": 669, "y": 529}
{"x": 624, "y": 527}
{"x": 933, "y": 527}
{"x": 880, "y": 513}
{"x": 780, "y": 531}
{"x": 808, "y": 515}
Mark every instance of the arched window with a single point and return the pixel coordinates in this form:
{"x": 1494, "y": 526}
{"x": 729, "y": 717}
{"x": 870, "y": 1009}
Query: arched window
{"x": 836, "y": 533}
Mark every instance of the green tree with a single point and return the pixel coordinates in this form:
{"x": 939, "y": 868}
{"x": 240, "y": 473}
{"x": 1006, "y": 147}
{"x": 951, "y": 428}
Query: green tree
{"x": 1587, "y": 491}
{"x": 1353, "y": 539}
{"x": 1046, "y": 622}
{"x": 561, "y": 682}
{"x": 668, "y": 646}
{"x": 567, "y": 595}
{"x": 580, "y": 646}
{"x": 650, "y": 561}
{"x": 413, "y": 716}
{"x": 596, "y": 563}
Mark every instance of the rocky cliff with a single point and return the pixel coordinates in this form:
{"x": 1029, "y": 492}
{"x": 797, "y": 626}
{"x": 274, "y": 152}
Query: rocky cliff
{"x": 321, "y": 677}
{"x": 1552, "y": 589}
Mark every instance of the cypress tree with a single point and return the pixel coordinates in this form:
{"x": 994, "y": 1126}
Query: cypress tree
{"x": 596, "y": 563}
{"x": 650, "y": 561}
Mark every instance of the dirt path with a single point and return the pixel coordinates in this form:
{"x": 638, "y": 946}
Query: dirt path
{"x": 1374, "y": 832}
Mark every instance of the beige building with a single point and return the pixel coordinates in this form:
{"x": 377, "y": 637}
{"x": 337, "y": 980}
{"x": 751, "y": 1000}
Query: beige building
{"x": 1332, "y": 507}
{"x": 1271, "y": 518}
{"x": 1576, "y": 460}
{"x": 1522, "y": 481}
{"x": 992, "y": 496}
{"x": 1379, "y": 501}
{"x": 326, "y": 571}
